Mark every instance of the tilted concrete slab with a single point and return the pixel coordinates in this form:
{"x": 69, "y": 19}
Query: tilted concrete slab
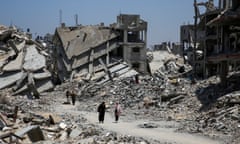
{"x": 44, "y": 85}
{"x": 40, "y": 76}
{"x": 129, "y": 73}
{"x": 34, "y": 133}
{"x": 80, "y": 40}
{"x": 21, "y": 90}
{"x": 16, "y": 64}
{"x": 33, "y": 61}
{"x": 6, "y": 81}
{"x": 4, "y": 58}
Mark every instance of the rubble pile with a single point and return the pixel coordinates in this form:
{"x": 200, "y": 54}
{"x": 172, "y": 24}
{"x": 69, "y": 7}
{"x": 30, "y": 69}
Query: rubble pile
{"x": 169, "y": 93}
{"x": 219, "y": 111}
{"x": 37, "y": 121}
{"x": 23, "y": 63}
{"x": 203, "y": 107}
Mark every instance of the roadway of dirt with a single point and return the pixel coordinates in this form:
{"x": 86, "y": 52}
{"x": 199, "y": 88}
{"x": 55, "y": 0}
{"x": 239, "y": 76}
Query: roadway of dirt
{"x": 165, "y": 132}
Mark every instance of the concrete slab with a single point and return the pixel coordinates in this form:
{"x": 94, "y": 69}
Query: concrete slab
{"x": 33, "y": 61}
{"x": 6, "y": 81}
{"x": 129, "y": 73}
{"x": 40, "y": 76}
{"x": 75, "y": 133}
{"x": 34, "y": 133}
{"x": 21, "y": 90}
{"x": 14, "y": 65}
{"x": 44, "y": 86}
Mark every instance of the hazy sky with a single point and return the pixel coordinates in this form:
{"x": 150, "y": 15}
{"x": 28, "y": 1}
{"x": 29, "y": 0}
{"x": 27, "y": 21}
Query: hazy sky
{"x": 164, "y": 17}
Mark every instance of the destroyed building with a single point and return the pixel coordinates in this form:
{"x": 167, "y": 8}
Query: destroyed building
{"x": 214, "y": 39}
{"x": 133, "y": 40}
{"x": 78, "y": 48}
{"x": 83, "y": 48}
{"x": 23, "y": 63}
{"x": 187, "y": 40}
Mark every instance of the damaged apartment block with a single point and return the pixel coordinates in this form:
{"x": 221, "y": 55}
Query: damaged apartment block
{"x": 133, "y": 39}
{"x": 86, "y": 50}
{"x": 215, "y": 38}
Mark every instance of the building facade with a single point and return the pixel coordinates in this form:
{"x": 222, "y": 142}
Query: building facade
{"x": 221, "y": 42}
{"x": 133, "y": 40}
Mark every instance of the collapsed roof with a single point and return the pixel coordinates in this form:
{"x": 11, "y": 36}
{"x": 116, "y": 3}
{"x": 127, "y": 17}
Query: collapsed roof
{"x": 78, "y": 40}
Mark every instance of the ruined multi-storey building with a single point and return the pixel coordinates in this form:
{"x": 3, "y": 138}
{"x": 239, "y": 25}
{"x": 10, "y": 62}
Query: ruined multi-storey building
{"x": 133, "y": 40}
{"x": 84, "y": 48}
{"x": 217, "y": 37}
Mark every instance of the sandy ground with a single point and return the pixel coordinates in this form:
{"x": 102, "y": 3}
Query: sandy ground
{"x": 165, "y": 133}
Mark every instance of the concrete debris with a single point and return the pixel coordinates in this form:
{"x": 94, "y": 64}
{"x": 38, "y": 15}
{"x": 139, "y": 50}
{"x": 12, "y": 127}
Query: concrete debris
{"x": 202, "y": 106}
{"x": 33, "y": 60}
{"x": 21, "y": 57}
{"x": 9, "y": 80}
{"x": 34, "y": 133}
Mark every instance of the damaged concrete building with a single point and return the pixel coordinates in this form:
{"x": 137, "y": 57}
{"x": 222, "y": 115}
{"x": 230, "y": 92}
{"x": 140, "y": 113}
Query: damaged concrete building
{"x": 133, "y": 40}
{"x": 215, "y": 38}
{"x": 82, "y": 49}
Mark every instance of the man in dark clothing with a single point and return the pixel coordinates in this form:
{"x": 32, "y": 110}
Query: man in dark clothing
{"x": 67, "y": 95}
{"x": 101, "y": 110}
{"x": 73, "y": 96}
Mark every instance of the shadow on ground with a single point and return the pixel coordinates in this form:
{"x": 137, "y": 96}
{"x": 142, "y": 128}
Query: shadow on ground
{"x": 208, "y": 96}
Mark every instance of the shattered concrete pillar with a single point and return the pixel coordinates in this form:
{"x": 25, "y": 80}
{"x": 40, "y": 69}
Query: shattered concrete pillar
{"x": 107, "y": 71}
{"x": 90, "y": 66}
{"x": 107, "y": 56}
{"x": 145, "y": 36}
{"x": 125, "y": 40}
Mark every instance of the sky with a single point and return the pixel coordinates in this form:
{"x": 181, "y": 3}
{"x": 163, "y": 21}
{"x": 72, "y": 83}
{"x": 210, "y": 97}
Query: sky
{"x": 164, "y": 17}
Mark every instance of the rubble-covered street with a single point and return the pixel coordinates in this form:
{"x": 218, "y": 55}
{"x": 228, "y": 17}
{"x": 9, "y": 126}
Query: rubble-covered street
{"x": 185, "y": 92}
{"x": 200, "y": 107}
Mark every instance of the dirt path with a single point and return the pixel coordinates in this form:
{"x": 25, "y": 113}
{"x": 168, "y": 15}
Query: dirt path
{"x": 163, "y": 133}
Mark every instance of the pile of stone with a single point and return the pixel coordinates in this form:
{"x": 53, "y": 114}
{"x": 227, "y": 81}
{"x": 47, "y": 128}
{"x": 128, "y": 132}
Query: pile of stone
{"x": 41, "y": 124}
{"x": 23, "y": 63}
{"x": 219, "y": 108}
{"x": 203, "y": 107}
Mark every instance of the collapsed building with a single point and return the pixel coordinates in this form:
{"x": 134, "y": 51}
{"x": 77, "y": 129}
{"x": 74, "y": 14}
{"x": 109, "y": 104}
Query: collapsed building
{"x": 87, "y": 49}
{"x": 23, "y": 63}
{"x": 214, "y": 38}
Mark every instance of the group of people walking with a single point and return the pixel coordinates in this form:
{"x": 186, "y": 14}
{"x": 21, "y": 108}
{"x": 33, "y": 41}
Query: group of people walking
{"x": 102, "y": 108}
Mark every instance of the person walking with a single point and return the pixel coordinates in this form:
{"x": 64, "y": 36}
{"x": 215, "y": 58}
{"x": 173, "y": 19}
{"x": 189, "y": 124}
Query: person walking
{"x": 101, "y": 112}
{"x": 73, "y": 96}
{"x": 67, "y": 96}
{"x": 117, "y": 111}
